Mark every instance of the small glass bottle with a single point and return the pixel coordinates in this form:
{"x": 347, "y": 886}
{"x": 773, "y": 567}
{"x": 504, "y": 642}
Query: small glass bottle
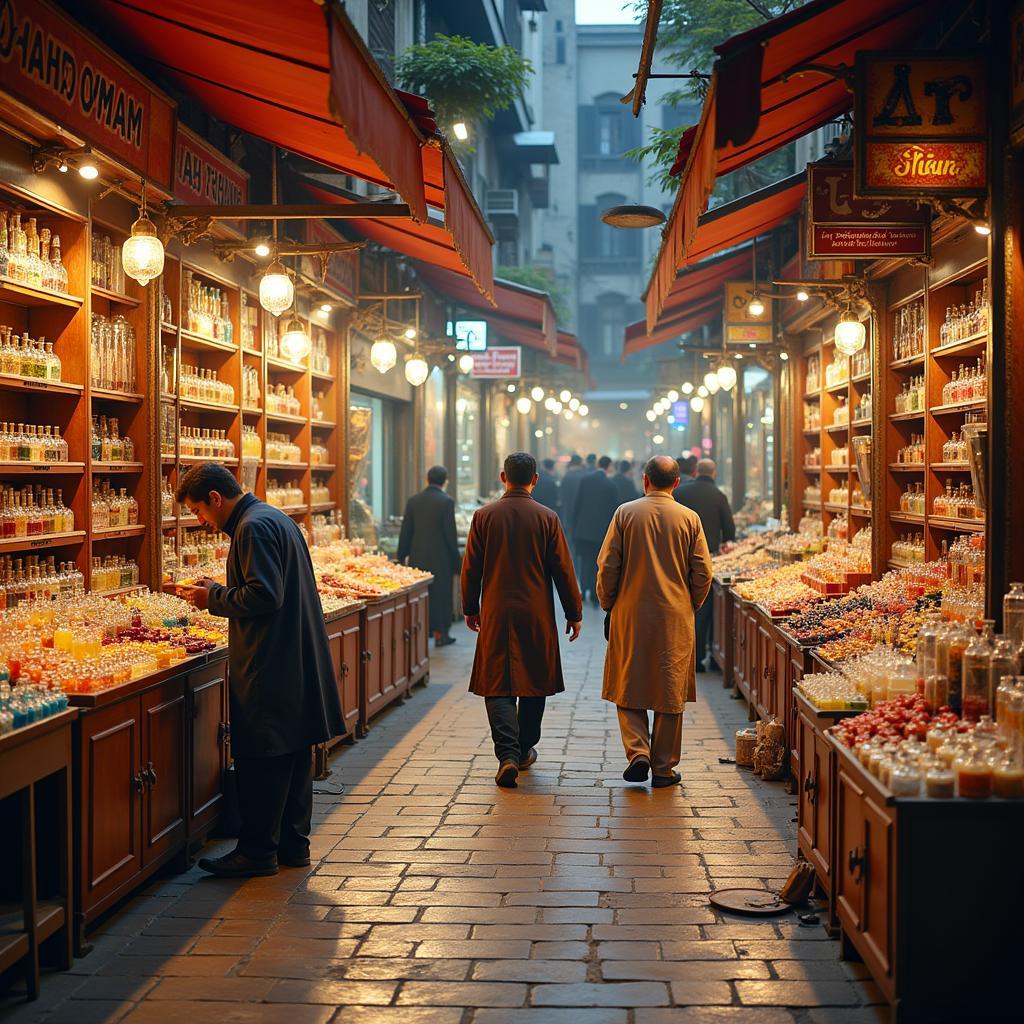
{"x": 977, "y": 665}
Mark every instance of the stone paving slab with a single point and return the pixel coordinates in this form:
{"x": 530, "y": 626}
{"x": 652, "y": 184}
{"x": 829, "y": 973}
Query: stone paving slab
{"x": 437, "y": 898}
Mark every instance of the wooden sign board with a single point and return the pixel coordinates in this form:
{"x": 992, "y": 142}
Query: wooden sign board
{"x": 921, "y": 125}
{"x": 205, "y": 176}
{"x": 740, "y": 326}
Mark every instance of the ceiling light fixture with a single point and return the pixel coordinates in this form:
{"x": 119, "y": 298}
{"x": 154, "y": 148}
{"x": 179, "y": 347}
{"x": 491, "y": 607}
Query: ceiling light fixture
{"x": 711, "y": 382}
{"x": 87, "y": 165}
{"x": 142, "y": 254}
{"x": 537, "y": 393}
{"x": 383, "y": 355}
{"x": 295, "y": 344}
{"x": 277, "y": 292}
{"x": 417, "y": 370}
{"x": 727, "y": 377}
{"x": 524, "y": 405}
{"x": 850, "y": 333}
{"x": 465, "y": 364}
{"x": 262, "y": 250}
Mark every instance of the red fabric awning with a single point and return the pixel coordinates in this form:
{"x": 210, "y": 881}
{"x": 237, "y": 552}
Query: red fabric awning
{"x": 696, "y": 298}
{"x": 753, "y": 107}
{"x": 521, "y": 315}
{"x": 288, "y": 74}
{"x": 569, "y": 352}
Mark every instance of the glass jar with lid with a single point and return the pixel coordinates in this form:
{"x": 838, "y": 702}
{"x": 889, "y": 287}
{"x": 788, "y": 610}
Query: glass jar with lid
{"x": 905, "y": 777}
{"x": 1008, "y": 777}
{"x": 973, "y": 774}
{"x": 1013, "y": 613}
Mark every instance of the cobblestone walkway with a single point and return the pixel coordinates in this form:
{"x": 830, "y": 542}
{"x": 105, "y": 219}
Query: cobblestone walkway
{"x": 436, "y": 898}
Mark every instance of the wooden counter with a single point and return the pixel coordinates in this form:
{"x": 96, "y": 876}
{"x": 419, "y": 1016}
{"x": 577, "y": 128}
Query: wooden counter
{"x": 721, "y": 632}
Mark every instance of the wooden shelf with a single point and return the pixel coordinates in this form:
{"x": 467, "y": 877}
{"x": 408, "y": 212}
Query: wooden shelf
{"x": 860, "y": 510}
{"x": 118, "y": 467}
{"x": 835, "y": 388}
{"x": 169, "y": 522}
{"x": 838, "y": 469}
{"x": 812, "y": 469}
{"x": 295, "y": 510}
{"x": 812, "y": 396}
{"x": 319, "y": 375}
{"x": 811, "y": 432}
{"x": 811, "y": 504}
{"x": 907, "y": 364}
{"x": 975, "y": 343}
{"x": 206, "y": 458}
{"x": 120, "y": 590}
{"x": 835, "y": 428}
{"x": 957, "y": 525}
{"x": 323, "y": 424}
{"x": 117, "y": 532}
{"x": 833, "y": 506}
{"x": 905, "y": 417}
{"x": 323, "y": 467}
{"x": 188, "y": 521}
{"x": 168, "y": 329}
{"x": 40, "y": 468}
{"x": 50, "y": 540}
{"x": 277, "y": 464}
{"x": 860, "y": 378}
{"x": 32, "y": 385}
{"x": 906, "y": 517}
{"x": 201, "y": 341}
{"x": 49, "y": 919}
{"x": 212, "y": 407}
{"x": 860, "y": 423}
{"x": 284, "y": 366}
{"x": 322, "y": 506}
{"x": 957, "y": 407}
{"x": 952, "y": 467}
{"x": 251, "y": 351}
{"x": 24, "y": 295}
{"x": 127, "y": 397}
{"x": 252, "y": 412}
{"x": 118, "y": 298}
{"x": 907, "y": 467}
{"x": 282, "y": 417}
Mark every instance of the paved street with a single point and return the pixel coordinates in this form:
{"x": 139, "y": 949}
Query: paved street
{"x": 436, "y": 898}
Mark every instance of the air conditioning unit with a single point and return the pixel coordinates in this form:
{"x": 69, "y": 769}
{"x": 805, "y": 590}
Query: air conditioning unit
{"x": 501, "y": 204}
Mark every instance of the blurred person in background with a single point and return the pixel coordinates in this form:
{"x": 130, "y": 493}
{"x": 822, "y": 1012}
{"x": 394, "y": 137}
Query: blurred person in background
{"x": 596, "y": 502}
{"x": 687, "y": 470}
{"x": 624, "y": 485}
{"x": 546, "y": 491}
{"x": 567, "y": 498}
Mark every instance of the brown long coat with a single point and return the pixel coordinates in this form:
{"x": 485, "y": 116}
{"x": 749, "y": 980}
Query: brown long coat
{"x": 514, "y": 552}
{"x": 653, "y": 572}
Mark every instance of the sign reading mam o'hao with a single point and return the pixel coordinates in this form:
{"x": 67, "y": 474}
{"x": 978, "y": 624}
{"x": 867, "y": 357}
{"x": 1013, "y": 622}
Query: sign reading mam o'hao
{"x": 741, "y": 326}
{"x": 204, "y": 175}
{"x": 56, "y": 71}
{"x": 843, "y": 227}
{"x": 499, "y": 362}
{"x": 921, "y": 125}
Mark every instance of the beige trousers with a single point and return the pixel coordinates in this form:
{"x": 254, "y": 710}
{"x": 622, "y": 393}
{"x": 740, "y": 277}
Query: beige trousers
{"x": 662, "y": 745}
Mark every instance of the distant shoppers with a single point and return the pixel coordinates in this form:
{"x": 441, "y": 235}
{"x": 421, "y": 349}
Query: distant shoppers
{"x": 515, "y": 551}
{"x": 429, "y": 541}
{"x": 282, "y": 689}
{"x": 596, "y": 502}
{"x": 591, "y": 462}
{"x": 624, "y": 485}
{"x": 687, "y": 469}
{"x": 567, "y": 495}
{"x": 711, "y": 504}
{"x": 654, "y": 571}
{"x": 546, "y": 491}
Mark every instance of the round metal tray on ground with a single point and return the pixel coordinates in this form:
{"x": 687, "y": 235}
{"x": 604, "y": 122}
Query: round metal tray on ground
{"x": 755, "y": 902}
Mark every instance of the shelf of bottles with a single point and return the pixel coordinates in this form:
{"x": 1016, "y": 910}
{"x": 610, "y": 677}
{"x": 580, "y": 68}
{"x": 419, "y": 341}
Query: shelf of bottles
{"x": 937, "y": 391}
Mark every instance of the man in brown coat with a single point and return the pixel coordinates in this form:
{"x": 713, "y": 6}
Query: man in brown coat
{"x": 514, "y": 552}
{"x": 654, "y": 571}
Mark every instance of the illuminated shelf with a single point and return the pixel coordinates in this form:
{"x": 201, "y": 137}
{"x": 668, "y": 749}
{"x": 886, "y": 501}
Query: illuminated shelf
{"x": 31, "y": 385}
{"x": 118, "y": 298}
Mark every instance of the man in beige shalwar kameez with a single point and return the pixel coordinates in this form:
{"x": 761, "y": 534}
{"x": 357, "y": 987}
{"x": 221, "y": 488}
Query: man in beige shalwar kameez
{"x": 654, "y": 571}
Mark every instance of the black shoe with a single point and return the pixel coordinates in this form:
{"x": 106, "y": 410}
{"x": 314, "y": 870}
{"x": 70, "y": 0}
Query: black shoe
{"x": 508, "y": 772}
{"x": 298, "y": 860}
{"x": 531, "y": 756}
{"x": 638, "y": 770}
{"x": 444, "y": 641}
{"x": 661, "y": 781}
{"x": 237, "y": 865}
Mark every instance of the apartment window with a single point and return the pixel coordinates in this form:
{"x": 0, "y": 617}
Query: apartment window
{"x": 611, "y": 323}
{"x": 607, "y": 129}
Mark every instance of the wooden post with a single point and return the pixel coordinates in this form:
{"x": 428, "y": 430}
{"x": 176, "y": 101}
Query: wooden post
{"x": 451, "y": 448}
{"x": 341, "y": 414}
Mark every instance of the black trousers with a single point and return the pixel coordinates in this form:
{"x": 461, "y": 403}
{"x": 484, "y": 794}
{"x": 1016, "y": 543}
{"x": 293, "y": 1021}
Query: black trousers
{"x": 275, "y": 798}
{"x": 586, "y": 555}
{"x": 703, "y": 622}
{"x": 514, "y": 729}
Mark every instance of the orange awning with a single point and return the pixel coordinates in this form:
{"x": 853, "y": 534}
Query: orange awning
{"x": 569, "y": 352}
{"x": 303, "y": 80}
{"x": 521, "y": 315}
{"x": 757, "y": 102}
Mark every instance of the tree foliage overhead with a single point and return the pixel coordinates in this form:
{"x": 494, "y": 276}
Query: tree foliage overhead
{"x": 688, "y": 33}
{"x": 541, "y": 279}
{"x": 463, "y": 80}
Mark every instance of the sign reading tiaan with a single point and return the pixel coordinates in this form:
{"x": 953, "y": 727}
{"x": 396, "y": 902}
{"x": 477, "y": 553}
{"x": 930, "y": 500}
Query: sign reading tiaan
{"x": 842, "y": 227}
{"x": 921, "y": 125}
{"x": 55, "y": 70}
{"x": 203, "y": 174}
{"x": 741, "y": 326}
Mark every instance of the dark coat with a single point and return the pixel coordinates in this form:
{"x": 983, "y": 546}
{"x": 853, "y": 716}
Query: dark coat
{"x": 703, "y": 495}
{"x": 567, "y": 496}
{"x": 429, "y": 541}
{"x": 596, "y": 502}
{"x": 546, "y": 490}
{"x": 282, "y": 687}
{"x": 514, "y": 552}
{"x": 625, "y": 488}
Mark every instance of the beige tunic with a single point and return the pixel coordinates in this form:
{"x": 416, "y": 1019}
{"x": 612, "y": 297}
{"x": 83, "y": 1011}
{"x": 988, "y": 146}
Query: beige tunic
{"x": 654, "y": 570}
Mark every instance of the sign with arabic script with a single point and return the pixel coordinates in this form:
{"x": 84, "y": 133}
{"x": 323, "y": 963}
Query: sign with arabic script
{"x": 843, "y": 227}
{"x": 921, "y": 125}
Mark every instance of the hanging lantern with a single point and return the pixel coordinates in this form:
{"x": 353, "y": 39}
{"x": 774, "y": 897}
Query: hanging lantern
{"x": 417, "y": 370}
{"x": 727, "y": 377}
{"x": 583, "y": 410}
{"x": 142, "y": 254}
{"x": 383, "y": 355}
{"x": 295, "y": 343}
{"x": 524, "y": 405}
{"x": 465, "y": 364}
{"x": 574, "y": 404}
{"x": 276, "y": 289}
{"x": 564, "y": 395}
{"x": 537, "y": 394}
{"x": 711, "y": 382}
{"x": 850, "y": 333}
{"x": 697, "y": 403}
{"x": 687, "y": 388}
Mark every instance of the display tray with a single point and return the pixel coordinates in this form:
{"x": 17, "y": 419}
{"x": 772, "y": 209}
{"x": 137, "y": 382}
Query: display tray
{"x": 823, "y": 663}
{"x": 813, "y": 711}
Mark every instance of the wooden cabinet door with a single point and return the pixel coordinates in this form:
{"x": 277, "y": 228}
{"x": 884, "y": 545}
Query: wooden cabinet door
{"x": 373, "y": 690}
{"x": 755, "y": 644}
{"x": 852, "y": 859}
{"x": 401, "y": 635}
{"x": 110, "y": 791}
{"x": 806, "y": 788}
{"x": 163, "y": 768}
{"x": 207, "y": 692}
{"x": 739, "y": 641}
{"x": 421, "y": 632}
{"x": 823, "y": 820}
{"x": 718, "y": 638}
{"x": 387, "y": 651}
{"x": 349, "y": 671}
{"x": 782, "y": 692}
{"x": 879, "y": 907}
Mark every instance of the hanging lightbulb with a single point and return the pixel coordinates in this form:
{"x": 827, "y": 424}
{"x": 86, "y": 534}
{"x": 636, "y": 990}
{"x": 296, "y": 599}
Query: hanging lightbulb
{"x": 295, "y": 343}
{"x": 755, "y": 307}
{"x": 383, "y": 355}
{"x": 538, "y": 433}
{"x": 711, "y": 382}
{"x": 651, "y": 415}
{"x": 410, "y": 333}
{"x": 702, "y": 392}
{"x": 417, "y": 370}
{"x": 276, "y": 289}
{"x": 549, "y": 403}
{"x": 658, "y": 439}
{"x": 465, "y": 364}
{"x": 87, "y": 165}
{"x": 802, "y": 295}
{"x": 850, "y": 333}
{"x": 697, "y": 403}
{"x": 687, "y": 388}
{"x": 262, "y": 250}
{"x": 523, "y": 405}
{"x": 574, "y": 404}
{"x": 727, "y": 377}
{"x": 460, "y": 131}
{"x": 142, "y": 254}
{"x": 556, "y": 408}
{"x": 564, "y": 395}
{"x": 568, "y": 414}
{"x": 583, "y": 410}
{"x": 537, "y": 393}
{"x": 511, "y": 388}
{"x": 673, "y": 396}
{"x": 784, "y": 356}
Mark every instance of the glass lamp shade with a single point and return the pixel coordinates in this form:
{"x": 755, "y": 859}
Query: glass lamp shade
{"x": 651, "y": 415}
{"x": 556, "y": 408}
{"x": 697, "y": 403}
{"x": 276, "y": 289}
{"x": 142, "y": 254}
{"x": 465, "y": 364}
{"x": 583, "y": 410}
{"x": 524, "y": 405}
{"x": 295, "y": 344}
{"x": 416, "y": 370}
{"x": 711, "y": 382}
{"x": 564, "y": 396}
{"x": 727, "y": 377}
{"x": 850, "y": 334}
{"x": 537, "y": 394}
{"x": 673, "y": 395}
{"x": 383, "y": 355}
{"x": 574, "y": 404}
{"x": 687, "y": 388}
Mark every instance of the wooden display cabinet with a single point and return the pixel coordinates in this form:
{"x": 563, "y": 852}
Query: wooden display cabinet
{"x": 721, "y": 640}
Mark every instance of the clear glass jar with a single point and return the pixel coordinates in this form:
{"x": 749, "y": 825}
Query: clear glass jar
{"x": 1013, "y": 613}
{"x": 973, "y": 774}
{"x": 905, "y": 778}
{"x": 976, "y": 701}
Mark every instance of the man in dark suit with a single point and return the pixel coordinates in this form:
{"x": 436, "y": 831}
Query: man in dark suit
{"x": 567, "y": 498}
{"x": 623, "y": 480}
{"x": 596, "y": 502}
{"x": 546, "y": 491}
{"x": 429, "y": 542}
{"x": 283, "y": 694}
{"x": 711, "y": 504}
{"x": 687, "y": 469}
